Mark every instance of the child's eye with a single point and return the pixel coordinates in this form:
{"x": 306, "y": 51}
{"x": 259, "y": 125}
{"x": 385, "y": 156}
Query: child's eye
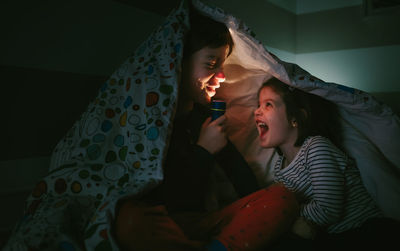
{"x": 211, "y": 66}
{"x": 212, "y": 63}
{"x": 268, "y": 104}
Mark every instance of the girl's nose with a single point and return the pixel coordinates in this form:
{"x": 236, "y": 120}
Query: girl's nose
{"x": 220, "y": 76}
{"x": 257, "y": 112}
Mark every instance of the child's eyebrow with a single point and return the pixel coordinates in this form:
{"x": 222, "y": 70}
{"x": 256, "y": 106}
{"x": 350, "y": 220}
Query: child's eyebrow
{"x": 268, "y": 99}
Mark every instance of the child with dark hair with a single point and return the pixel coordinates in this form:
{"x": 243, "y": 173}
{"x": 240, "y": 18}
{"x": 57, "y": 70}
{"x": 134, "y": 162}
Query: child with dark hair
{"x": 327, "y": 184}
{"x": 176, "y": 214}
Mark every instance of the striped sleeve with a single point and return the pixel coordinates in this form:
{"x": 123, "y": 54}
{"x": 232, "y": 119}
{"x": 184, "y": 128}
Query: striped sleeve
{"x": 327, "y": 180}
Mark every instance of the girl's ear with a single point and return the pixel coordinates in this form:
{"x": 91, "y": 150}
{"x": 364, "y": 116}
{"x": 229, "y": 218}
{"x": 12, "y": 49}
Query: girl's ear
{"x": 294, "y": 123}
{"x": 303, "y": 114}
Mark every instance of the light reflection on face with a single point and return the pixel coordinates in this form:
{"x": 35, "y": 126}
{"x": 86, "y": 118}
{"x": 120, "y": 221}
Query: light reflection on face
{"x": 204, "y": 74}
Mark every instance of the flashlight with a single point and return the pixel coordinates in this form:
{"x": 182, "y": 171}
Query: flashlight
{"x": 217, "y": 109}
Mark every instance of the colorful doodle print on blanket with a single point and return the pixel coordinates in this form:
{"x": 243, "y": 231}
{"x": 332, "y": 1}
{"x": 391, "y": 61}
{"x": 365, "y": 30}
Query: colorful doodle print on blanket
{"x": 114, "y": 149}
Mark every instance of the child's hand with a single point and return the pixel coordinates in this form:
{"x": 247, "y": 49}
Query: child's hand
{"x": 304, "y": 228}
{"x": 212, "y": 135}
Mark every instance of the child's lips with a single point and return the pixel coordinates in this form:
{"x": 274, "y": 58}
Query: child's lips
{"x": 214, "y": 83}
{"x": 262, "y": 128}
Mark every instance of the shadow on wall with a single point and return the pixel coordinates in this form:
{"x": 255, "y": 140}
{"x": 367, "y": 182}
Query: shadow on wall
{"x": 39, "y": 107}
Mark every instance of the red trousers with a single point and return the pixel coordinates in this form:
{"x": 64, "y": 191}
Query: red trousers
{"x": 250, "y": 223}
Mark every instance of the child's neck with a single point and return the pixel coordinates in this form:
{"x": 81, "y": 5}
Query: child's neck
{"x": 289, "y": 155}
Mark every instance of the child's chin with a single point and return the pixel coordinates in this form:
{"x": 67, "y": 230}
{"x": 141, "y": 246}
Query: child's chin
{"x": 265, "y": 145}
{"x": 204, "y": 99}
{"x": 211, "y": 94}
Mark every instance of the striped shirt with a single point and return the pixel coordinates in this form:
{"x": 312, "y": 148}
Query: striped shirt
{"x": 331, "y": 187}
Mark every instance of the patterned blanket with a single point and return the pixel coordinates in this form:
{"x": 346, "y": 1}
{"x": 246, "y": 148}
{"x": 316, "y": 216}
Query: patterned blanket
{"x": 117, "y": 146}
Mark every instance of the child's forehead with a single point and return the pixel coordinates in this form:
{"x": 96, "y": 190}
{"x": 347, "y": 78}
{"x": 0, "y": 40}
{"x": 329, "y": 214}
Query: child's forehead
{"x": 268, "y": 91}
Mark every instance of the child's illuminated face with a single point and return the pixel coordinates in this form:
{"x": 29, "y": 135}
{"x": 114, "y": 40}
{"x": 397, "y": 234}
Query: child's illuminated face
{"x": 205, "y": 73}
{"x": 273, "y": 126}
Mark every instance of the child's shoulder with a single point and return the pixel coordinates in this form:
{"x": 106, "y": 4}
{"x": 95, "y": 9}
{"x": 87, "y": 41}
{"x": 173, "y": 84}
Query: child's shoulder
{"x": 321, "y": 150}
{"x": 318, "y": 140}
{"x": 319, "y": 143}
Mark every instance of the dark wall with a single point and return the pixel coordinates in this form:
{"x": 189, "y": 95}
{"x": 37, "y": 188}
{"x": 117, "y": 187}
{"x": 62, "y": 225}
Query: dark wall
{"x": 54, "y": 56}
{"x": 39, "y": 106}
{"x": 346, "y": 28}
